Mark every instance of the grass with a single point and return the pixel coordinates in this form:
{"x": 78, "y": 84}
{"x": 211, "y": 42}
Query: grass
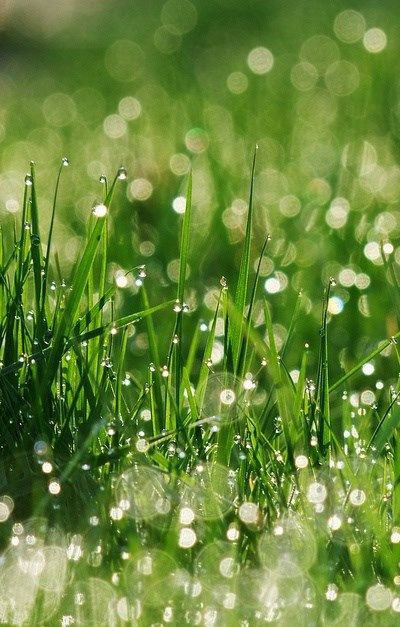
{"x": 207, "y": 489}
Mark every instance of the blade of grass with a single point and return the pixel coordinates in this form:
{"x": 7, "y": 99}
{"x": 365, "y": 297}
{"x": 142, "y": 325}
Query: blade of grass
{"x": 184, "y": 250}
{"x": 36, "y": 250}
{"x": 382, "y": 346}
{"x": 242, "y": 367}
{"x": 236, "y": 331}
{"x": 50, "y": 237}
{"x": 79, "y": 281}
{"x": 322, "y": 409}
{"x": 384, "y": 430}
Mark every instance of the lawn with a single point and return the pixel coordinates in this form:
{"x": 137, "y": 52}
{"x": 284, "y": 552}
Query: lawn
{"x": 199, "y": 313}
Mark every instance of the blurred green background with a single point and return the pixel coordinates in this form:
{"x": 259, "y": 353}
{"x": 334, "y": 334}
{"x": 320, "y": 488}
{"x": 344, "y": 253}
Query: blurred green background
{"x": 158, "y": 86}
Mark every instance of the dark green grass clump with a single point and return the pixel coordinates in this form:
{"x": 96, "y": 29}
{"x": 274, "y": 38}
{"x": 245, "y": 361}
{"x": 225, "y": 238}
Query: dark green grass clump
{"x": 215, "y": 488}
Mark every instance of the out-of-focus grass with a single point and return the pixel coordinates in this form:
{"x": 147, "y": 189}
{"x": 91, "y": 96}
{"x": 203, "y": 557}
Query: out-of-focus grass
{"x": 157, "y": 86}
{"x": 203, "y": 465}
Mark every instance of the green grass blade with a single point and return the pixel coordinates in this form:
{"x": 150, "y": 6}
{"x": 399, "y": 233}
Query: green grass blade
{"x": 322, "y": 412}
{"x": 236, "y": 331}
{"x": 184, "y": 250}
{"x": 91, "y": 315}
{"x": 205, "y": 369}
{"x": 50, "y": 237}
{"x": 243, "y": 354}
{"x": 36, "y": 248}
{"x": 350, "y": 373}
{"x": 386, "y": 426}
{"x": 78, "y": 285}
{"x": 156, "y": 383}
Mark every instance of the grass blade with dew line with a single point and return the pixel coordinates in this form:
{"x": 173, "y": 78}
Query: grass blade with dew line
{"x": 322, "y": 408}
{"x": 22, "y": 239}
{"x": 184, "y": 248}
{"x": 283, "y": 389}
{"x": 156, "y": 400}
{"x": 293, "y": 321}
{"x": 194, "y": 344}
{"x": 90, "y": 315}
{"x": 118, "y": 387}
{"x": 79, "y": 281}
{"x": 243, "y": 353}
{"x": 382, "y": 346}
{"x": 205, "y": 368}
{"x": 386, "y": 426}
{"x": 13, "y": 303}
{"x": 155, "y": 409}
{"x": 393, "y": 286}
{"x": 101, "y": 286}
{"x": 174, "y": 361}
{"x": 117, "y": 324}
{"x": 299, "y": 395}
{"x": 190, "y": 396}
{"x": 183, "y": 262}
{"x": 236, "y": 330}
{"x": 64, "y": 163}
{"x": 396, "y": 487}
{"x": 36, "y": 249}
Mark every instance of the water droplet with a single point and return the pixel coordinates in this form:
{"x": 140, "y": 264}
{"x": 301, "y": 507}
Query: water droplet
{"x": 334, "y": 522}
{"x": 301, "y": 461}
{"x": 65, "y": 162}
{"x": 187, "y": 538}
{"x": 249, "y": 513}
{"x": 177, "y": 306}
{"x": 223, "y": 282}
{"x": 54, "y": 486}
{"x": 100, "y": 211}
{"x": 227, "y": 397}
{"x": 316, "y": 492}
{"x": 357, "y": 497}
{"x": 122, "y": 174}
{"x": 47, "y": 467}
{"x": 28, "y": 180}
{"x": 142, "y": 445}
{"x": 102, "y": 179}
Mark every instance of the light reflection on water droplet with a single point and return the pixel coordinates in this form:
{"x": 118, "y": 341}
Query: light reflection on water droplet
{"x": 316, "y": 493}
{"x": 357, "y": 497}
{"x": 227, "y": 397}
{"x": 122, "y": 174}
{"x": 100, "y": 211}
{"x": 378, "y": 598}
{"x": 249, "y": 513}
{"x": 187, "y": 538}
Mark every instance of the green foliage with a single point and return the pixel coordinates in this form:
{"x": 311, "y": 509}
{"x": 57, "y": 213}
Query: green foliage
{"x": 204, "y": 463}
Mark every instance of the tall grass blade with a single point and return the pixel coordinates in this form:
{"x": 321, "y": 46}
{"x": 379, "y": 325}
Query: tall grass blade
{"x": 236, "y": 331}
{"x": 184, "y": 250}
